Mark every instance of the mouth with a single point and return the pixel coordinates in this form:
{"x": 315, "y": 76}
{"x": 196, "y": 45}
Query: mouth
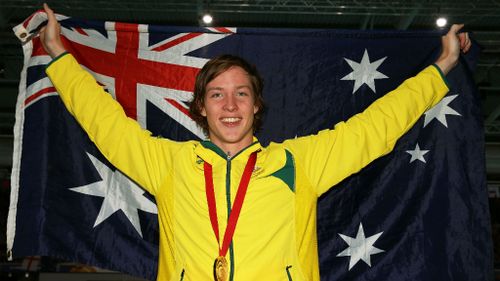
{"x": 230, "y": 121}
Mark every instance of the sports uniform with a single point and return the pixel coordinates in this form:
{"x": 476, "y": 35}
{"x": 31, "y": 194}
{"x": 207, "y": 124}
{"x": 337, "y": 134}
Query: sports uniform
{"x": 275, "y": 237}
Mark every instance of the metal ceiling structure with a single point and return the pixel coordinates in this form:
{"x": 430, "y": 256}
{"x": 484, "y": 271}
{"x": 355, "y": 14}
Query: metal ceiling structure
{"x": 481, "y": 17}
{"x": 361, "y": 14}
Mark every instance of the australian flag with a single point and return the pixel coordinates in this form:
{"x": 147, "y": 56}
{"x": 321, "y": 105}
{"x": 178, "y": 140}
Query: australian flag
{"x": 418, "y": 213}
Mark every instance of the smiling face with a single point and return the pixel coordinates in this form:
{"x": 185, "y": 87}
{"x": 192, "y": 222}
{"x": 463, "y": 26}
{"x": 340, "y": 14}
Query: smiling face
{"x": 229, "y": 106}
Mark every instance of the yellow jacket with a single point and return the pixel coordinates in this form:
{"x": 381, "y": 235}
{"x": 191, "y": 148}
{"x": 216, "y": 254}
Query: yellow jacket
{"x": 275, "y": 238}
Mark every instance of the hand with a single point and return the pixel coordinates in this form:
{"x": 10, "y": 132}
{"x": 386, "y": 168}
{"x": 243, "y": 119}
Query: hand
{"x": 452, "y": 43}
{"x": 50, "y": 35}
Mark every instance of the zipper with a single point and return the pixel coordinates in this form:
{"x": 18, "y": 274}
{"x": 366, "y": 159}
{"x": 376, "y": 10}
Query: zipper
{"x": 182, "y": 275}
{"x": 288, "y": 273}
{"x": 228, "y": 157}
{"x": 228, "y": 201}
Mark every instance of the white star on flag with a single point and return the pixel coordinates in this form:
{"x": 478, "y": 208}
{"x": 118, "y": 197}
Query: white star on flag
{"x": 120, "y": 193}
{"x": 360, "y": 248}
{"x": 440, "y": 110}
{"x": 417, "y": 154}
{"x": 364, "y": 72}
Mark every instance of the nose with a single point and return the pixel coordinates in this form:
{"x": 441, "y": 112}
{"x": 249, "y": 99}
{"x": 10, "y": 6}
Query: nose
{"x": 230, "y": 103}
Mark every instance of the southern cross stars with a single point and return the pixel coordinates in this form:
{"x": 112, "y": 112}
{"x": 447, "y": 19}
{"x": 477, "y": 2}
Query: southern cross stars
{"x": 360, "y": 248}
{"x": 364, "y": 72}
{"x": 440, "y": 110}
{"x": 119, "y": 193}
{"x": 417, "y": 154}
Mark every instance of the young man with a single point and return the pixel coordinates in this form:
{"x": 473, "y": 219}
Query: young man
{"x": 229, "y": 208}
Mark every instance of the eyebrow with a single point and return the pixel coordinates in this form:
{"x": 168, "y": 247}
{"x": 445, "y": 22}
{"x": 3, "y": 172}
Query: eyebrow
{"x": 221, "y": 88}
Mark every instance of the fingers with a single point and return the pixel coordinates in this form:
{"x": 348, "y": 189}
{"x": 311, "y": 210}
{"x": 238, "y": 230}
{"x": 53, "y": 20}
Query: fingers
{"x": 42, "y": 34}
{"x": 455, "y": 28}
{"x": 465, "y": 42}
{"x": 50, "y": 34}
{"x": 463, "y": 37}
{"x": 50, "y": 14}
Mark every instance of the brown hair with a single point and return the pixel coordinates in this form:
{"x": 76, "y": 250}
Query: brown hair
{"x": 212, "y": 69}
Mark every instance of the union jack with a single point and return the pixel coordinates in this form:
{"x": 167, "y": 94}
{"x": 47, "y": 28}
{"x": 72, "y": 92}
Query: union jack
{"x": 164, "y": 69}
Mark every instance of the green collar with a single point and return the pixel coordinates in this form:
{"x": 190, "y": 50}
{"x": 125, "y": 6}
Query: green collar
{"x": 210, "y": 145}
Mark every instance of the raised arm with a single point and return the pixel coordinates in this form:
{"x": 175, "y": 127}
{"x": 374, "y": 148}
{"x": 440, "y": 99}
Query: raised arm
{"x": 332, "y": 155}
{"x": 131, "y": 149}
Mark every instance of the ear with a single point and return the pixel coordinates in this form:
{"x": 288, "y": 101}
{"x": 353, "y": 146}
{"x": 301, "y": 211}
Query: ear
{"x": 203, "y": 112}
{"x": 255, "y": 109}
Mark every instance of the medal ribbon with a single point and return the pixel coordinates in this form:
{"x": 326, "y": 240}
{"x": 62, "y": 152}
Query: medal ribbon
{"x": 238, "y": 202}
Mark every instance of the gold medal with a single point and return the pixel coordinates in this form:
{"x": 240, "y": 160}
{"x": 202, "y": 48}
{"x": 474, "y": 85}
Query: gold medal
{"x": 220, "y": 269}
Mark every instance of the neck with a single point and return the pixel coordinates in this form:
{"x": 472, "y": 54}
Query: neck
{"x": 232, "y": 149}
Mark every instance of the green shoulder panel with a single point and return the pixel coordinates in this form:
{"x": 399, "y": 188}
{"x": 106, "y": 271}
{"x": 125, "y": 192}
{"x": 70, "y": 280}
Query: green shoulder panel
{"x": 287, "y": 173}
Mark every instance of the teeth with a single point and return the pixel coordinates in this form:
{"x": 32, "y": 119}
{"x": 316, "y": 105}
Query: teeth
{"x": 234, "y": 119}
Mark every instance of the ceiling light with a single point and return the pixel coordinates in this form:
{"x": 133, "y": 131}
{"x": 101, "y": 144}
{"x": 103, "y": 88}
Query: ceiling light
{"x": 441, "y": 22}
{"x": 207, "y": 19}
